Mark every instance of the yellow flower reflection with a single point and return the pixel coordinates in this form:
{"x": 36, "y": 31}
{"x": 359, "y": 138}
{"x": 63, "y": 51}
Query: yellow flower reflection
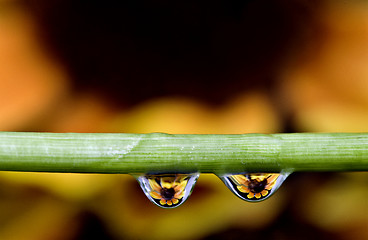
{"x": 256, "y": 184}
{"x": 169, "y": 190}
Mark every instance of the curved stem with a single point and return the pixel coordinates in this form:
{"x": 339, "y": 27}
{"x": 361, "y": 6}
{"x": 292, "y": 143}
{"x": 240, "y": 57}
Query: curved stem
{"x": 174, "y": 153}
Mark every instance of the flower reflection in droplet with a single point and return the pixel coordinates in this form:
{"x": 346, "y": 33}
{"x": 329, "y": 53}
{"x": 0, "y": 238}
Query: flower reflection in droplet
{"x": 168, "y": 190}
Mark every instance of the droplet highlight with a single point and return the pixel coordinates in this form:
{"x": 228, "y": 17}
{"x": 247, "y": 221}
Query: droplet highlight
{"x": 168, "y": 190}
{"x": 254, "y": 187}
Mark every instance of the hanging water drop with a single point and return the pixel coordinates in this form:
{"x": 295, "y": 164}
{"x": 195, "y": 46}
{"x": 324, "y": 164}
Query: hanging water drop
{"x": 254, "y": 187}
{"x": 168, "y": 190}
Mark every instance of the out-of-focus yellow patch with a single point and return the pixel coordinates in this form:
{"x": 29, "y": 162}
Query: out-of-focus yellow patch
{"x": 76, "y": 187}
{"x": 251, "y": 112}
{"x": 340, "y": 204}
{"x": 44, "y": 220}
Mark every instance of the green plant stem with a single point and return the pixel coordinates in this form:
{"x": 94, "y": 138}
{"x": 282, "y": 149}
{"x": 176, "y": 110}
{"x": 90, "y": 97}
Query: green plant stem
{"x": 167, "y": 153}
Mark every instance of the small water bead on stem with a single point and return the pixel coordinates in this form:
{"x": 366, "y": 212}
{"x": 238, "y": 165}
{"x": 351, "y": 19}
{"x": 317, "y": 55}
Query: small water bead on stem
{"x": 168, "y": 190}
{"x": 254, "y": 187}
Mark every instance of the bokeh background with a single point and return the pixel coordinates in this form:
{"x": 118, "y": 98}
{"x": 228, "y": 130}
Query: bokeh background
{"x": 183, "y": 67}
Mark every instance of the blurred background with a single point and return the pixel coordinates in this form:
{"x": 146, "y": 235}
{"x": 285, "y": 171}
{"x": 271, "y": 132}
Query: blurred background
{"x": 183, "y": 67}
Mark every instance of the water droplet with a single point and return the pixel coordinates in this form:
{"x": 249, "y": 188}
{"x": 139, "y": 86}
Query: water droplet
{"x": 254, "y": 187}
{"x": 168, "y": 190}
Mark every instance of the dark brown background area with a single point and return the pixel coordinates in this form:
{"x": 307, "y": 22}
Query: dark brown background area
{"x": 135, "y": 50}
